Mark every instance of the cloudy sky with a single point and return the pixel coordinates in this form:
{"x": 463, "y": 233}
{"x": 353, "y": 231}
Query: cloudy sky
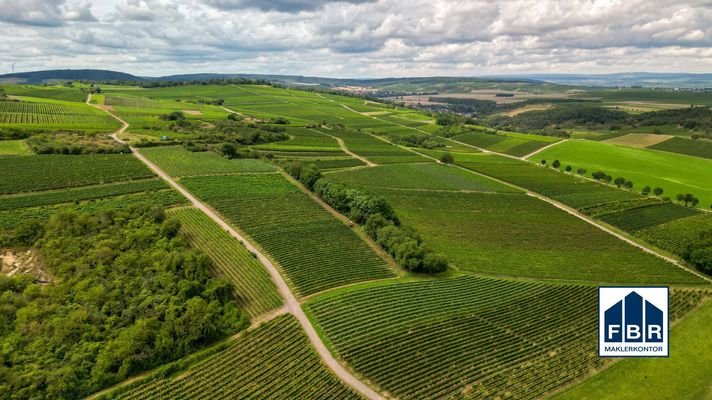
{"x": 357, "y": 38}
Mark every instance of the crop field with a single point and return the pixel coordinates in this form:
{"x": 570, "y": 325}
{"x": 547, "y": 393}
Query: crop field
{"x": 675, "y": 173}
{"x": 648, "y": 95}
{"x": 273, "y": 361}
{"x": 521, "y": 236}
{"x": 635, "y": 219}
{"x": 566, "y": 188}
{"x": 14, "y": 148}
{"x": 254, "y": 289}
{"x": 508, "y": 143}
{"x": 45, "y": 114}
{"x": 178, "y": 162}
{"x": 14, "y": 201}
{"x": 640, "y": 140}
{"x": 48, "y": 92}
{"x": 303, "y": 140}
{"x": 315, "y": 250}
{"x": 33, "y": 173}
{"x": 376, "y": 150}
{"x": 419, "y": 176}
{"x": 467, "y": 336}
{"x": 676, "y": 235}
{"x": 696, "y": 148}
{"x": 10, "y": 219}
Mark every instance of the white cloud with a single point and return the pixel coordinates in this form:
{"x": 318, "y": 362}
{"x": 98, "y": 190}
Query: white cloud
{"x": 357, "y": 38}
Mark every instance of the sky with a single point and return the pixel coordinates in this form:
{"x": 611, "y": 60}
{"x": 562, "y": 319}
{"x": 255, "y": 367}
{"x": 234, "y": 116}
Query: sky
{"x": 357, "y": 38}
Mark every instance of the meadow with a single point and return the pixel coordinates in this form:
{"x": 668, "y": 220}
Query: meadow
{"x": 675, "y": 173}
{"x": 179, "y": 162}
{"x": 276, "y": 351}
{"x": 316, "y": 251}
{"x": 14, "y": 148}
{"x": 467, "y": 336}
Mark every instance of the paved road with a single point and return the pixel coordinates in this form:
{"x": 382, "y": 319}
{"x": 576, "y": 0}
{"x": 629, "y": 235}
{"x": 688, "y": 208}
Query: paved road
{"x": 291, "y": 302}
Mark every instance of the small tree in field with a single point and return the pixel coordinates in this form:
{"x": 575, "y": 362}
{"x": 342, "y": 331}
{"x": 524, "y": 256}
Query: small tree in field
{"x": 599, "y": 175}
{"x": 447, "y": 158}
{"x": 646, "y": 190}
{"x": 543, "y": 162}
{"x": 556, "y": 164}
{"x": 581, "y": 171}
{"x": 658, "y": 191}
{"x": 568, "y": 168}
{"x": 619, "y": 181}
{"x": 608, "y": 178}
{"x": 628, "y": 185}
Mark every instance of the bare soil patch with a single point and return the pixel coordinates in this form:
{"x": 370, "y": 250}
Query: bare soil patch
{"x": 192, "y": 112}
{"x": 530, "y": 107}
{"x": 26, "y": 262}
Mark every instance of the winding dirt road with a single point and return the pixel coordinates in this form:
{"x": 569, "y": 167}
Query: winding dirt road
{"x": 291, "y": 303}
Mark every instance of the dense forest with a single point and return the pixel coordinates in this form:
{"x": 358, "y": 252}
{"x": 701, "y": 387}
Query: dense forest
{"x": 125, "y": 294}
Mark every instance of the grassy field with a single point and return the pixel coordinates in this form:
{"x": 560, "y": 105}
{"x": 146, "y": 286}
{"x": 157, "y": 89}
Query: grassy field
{"x": 315, "y": 250}
{"x": 254, "y": 291}
{"x": 273, "y": 361}
{"x": 648, "y": 95}
{"x": 674, "y": 173}
{"x": 48, "y": 92}
{"x": 515, "y": 144}
{"x": 14, "y": 148}
{"x": 33, "y": 173}
{"x": 178, "y": 162}
{"x": 684, "y": 375}
{"x": 467, "y": 336}
{"x": 640, "y": 140}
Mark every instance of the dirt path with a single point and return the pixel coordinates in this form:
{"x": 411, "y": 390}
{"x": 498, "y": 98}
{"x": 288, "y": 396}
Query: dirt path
{"x": 553, "y": 202}
{"x": 543, "y": 148}
{"x": 346, "y": 149}
{"x": 291, "y": 303}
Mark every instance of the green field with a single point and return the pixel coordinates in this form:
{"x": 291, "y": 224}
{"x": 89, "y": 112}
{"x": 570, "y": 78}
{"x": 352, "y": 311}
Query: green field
{"x": 685, "y": 375}
{"x": 467, "y": 336}
{"x": 521, "y": 236}
{"x": 315, "y": 250}
{"x": 676, "y": 235}
{"x": 33, "y": 173}
{"x": 674, "y": 173}
{"x": 254, "y": 290}
{"x": 14, "y": 148}
{"x": 419, "y": 176}
{"x": 512, "y": 143}
{"x": 697, "y": 148}
{"x": 49, "y": 92}
{"x": 635, "y": 219}
{"x": 375, "y": 149}
{"x": 37, "y": 114}
{"x": 178, "y": 162}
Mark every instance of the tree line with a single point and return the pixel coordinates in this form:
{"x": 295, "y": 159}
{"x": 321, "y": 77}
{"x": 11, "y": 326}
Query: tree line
{"x": 378, "y": 218}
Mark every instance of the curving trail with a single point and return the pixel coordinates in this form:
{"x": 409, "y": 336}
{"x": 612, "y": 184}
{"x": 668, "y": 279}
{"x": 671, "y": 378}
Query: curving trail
{"x": 291, "y": 303}
{"x": 346, "y": 150}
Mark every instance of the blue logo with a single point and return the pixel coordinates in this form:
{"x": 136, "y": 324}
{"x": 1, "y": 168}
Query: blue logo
{"x": 633, "y": 321}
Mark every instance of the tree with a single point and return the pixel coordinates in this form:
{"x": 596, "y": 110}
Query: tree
{"x": 620, "y": 181}
{"x": 447, "y": 158}
{"x": 628, "y": 185}
{"x": 680, "y": 197}
{"x": 646, "y": 190}
{"x": 598, "y": 175}
{"x": 556, "y": 164}
{"x": 234, "y": 117}
{"x": 608, "y": 178}
{"x": 309, "y": 175}
{"x": 658, "y": 191}
{"x": 543, "y": 162}
{"x": 568, "y": 168}
{"x": 228, "y": 150}
{"x": 694, "y": 202}
{"x": 581, "y": 171}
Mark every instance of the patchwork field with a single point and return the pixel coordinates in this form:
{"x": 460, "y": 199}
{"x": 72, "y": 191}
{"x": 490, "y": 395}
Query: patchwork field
{"x": 274, "y": 360}
{"x": 315, "y": 250}
{"x": 640, "y": 140}
{"x": 38, "y": 114}
{"x": 468, "y": 337}
{"x": 697, "y": 148}
{"x": 674, "y": 173}
{"x": 515, "y": 144}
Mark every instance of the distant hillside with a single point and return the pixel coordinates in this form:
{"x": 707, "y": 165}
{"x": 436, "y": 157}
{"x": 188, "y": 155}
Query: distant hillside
{"x": 67, "y": 74}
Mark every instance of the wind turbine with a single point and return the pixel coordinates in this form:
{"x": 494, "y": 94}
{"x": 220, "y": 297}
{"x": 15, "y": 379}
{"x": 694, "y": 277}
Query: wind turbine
{"x": 13, "y": 68}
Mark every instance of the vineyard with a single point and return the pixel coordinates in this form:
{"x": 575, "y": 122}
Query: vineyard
{"x": 255, "y": 292}
{"x": 273, "y": 361}
{"x": 697, "y": 148}
{"x": 33, "y": 173}
{"x": 509, "y": 143}
{"x": 50, "y": 92}
{"x": 10, "y": 202}
{"x": 375, "y": 149}
{"x": 315, "y": 250}
{"x": 521, "y": 236}
{"x": 137, "y": 102}
{"x": 467, "y": 336}
{"x": 177, "y": 161}
{"x": 635, "y": 219}
{"x": 676, "y": 235}
{"x": 54, "y": 115}
{"x": 419, "y": 176}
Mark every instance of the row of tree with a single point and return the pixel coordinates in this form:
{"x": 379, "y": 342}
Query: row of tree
{"x": 378, "y": 218}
